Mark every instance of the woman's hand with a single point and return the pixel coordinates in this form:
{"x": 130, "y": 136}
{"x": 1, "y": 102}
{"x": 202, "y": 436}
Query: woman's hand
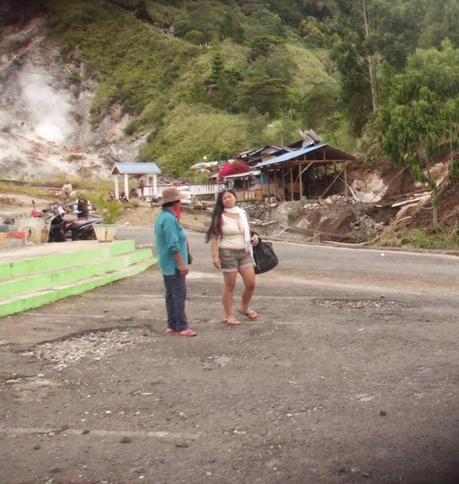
{"x": 217, "y": 263}
{"x": 255, "y": 240}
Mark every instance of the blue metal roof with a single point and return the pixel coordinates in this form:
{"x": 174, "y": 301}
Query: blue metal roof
{"x": 136, "y": 169}
{"x": 289, "y": 156}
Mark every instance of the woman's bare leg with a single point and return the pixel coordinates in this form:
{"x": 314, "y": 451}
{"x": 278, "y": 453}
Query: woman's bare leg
{"x": 230, "y": 284}
{"x": 248, "y": 276}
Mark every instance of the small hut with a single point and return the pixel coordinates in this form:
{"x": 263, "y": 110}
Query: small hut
{"x": 146, "y": 172}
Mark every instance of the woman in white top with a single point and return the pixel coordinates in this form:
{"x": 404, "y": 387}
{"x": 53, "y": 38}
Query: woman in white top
{"x": 231, "y": 244}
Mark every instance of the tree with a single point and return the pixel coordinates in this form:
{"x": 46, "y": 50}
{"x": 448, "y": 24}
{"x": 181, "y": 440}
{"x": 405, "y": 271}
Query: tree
{"x": 355, "y": 86}
{"x": 217, "y": 67}
{"x": 441, "y": 21}
{"x": 261, "y": 45}
{"x": 265, "y": 94}
{"x": 309, "y": 29}
{"x": 223, "y": 84}
{"x": 230, "y": 27}
{"x": 372, "y": 32}
{"x": 421, "y": 116}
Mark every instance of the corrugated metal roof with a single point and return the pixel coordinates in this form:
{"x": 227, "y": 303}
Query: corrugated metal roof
{"x": 289, "y": 156}
{"x": 136, "y": 169}
{"x": 242, "y": 175}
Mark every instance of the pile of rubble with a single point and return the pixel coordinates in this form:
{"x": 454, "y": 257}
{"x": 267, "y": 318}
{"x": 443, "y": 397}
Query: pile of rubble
{"x": 363, "y": 216}
{"x": 333, "y": 219}
{"x": 341, "y": 220}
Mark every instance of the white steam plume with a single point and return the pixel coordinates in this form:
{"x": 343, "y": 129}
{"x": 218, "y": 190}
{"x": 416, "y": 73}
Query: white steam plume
{"x": 49, "y": 109}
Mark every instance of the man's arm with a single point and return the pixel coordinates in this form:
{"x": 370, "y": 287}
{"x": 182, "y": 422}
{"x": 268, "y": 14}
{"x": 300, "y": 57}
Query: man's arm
{"x": 183, "y": 268}
{"x": 173, "y": 244}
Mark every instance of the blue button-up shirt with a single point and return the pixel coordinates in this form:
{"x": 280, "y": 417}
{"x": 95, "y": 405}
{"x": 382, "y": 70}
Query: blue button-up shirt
{"x": 170, "y": 239}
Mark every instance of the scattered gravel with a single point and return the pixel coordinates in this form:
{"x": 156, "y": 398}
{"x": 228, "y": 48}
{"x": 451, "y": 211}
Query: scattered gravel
{"x": 379, "y": 304}
{"x": 94, "y": 345}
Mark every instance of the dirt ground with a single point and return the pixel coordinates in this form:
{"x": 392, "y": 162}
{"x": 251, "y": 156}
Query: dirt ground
{"x": 350, "y": 375}
{"x": 448, "y": 211}
{"x": 144, "y": 216}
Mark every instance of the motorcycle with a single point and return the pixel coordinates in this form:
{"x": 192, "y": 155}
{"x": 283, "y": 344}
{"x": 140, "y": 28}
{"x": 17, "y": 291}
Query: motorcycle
{"x": 64, "y": 226}
{"x": 82, "y": 228}
{"x": 57, "y": 230}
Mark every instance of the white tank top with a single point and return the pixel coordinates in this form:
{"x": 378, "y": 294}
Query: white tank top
{"x": 232, "y": 234}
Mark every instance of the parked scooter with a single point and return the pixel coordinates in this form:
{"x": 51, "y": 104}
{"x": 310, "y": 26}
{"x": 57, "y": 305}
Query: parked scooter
{"x": 57, "y": 228}
{"x": 63, "y": 228}
{"x": 82, "y": 228}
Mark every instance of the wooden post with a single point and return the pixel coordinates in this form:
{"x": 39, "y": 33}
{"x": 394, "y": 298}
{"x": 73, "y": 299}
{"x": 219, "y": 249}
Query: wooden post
{"x": 283, "y": 184}
{"x": 346, "y": 192}
{"x": 291, "y": 185}
{"x": 301, "y": 181}
{"x": 331, "y": 184}
{"x": 268, "y": 194}
{"x": 275, "y": 182}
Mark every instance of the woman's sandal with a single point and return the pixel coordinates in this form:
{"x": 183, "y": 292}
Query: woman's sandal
{"x": 250, "y": 314}
{"x": 232, "y": 321}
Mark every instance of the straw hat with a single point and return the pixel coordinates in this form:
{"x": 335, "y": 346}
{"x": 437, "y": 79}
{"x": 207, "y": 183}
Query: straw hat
{"x": 171, "y": 195}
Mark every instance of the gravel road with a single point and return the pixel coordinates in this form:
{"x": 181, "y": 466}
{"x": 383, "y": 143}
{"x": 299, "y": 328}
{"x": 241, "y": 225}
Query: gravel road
{"x": 350, "y": 375}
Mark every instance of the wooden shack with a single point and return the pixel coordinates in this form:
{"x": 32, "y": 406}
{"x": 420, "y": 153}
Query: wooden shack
{"x": 246, "y": 186}
{"x": 315, "y": 171}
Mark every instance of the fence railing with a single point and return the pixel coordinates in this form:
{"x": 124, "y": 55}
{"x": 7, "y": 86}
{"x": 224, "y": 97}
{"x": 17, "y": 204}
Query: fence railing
{"x": 196, "y": 190}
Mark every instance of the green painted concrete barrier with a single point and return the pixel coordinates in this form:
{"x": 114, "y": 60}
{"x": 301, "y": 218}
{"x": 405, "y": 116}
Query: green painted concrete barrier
{"x": 33, "y": 300}
{"x": 73, "y": 272}
{"x": 30, "y": 279}
{"x": 50, "y": 262}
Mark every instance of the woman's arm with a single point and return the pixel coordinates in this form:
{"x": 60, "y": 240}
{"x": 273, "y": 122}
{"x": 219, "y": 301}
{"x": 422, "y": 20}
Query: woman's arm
{"x": 214, "y": 245}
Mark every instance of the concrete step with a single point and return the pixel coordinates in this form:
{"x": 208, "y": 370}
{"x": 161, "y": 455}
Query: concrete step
{"x": 74, "y": 271}
{"x": 38, "y": 298}
{"x": 50, "y": 257}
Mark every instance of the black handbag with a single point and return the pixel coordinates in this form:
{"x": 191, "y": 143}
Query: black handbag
{"x": 265, "y": 257}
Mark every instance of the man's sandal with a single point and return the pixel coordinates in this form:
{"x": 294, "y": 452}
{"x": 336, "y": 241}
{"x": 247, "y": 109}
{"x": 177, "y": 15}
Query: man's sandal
{"x": 250, "y": 314}
{"x": 169, "y": 331}
{"x": 232, "y": 321}
{"x": 187, "y": 332}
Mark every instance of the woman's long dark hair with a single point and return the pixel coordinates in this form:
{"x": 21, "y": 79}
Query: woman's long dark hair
{"x": 215, "y": 227}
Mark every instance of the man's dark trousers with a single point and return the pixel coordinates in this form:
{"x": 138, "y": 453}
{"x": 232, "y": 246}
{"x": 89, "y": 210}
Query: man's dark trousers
{"x": 175, "y": 301}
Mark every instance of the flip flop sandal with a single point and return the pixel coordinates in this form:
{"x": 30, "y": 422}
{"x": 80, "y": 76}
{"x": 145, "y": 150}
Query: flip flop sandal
{"x": 232, "y": 321}
{"x": 187, "y": 332}
{"x": 169, "y": 331}
{"x": 250, "y": 314}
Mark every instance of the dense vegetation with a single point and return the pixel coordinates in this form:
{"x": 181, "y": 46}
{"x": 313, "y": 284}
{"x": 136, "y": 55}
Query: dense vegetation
{"x": 217, "y": 76}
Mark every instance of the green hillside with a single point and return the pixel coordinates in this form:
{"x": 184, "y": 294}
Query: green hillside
{"x": 230, "y": 77}
{"x": 214, "y": 77}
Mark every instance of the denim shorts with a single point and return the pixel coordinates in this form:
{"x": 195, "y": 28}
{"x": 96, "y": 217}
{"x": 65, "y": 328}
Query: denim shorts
{"x": 232, "y": 259}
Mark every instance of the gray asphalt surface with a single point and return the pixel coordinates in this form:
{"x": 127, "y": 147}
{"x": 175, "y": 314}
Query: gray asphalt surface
{"x": 379, "y": 271}
{"x": 350, "y": 375}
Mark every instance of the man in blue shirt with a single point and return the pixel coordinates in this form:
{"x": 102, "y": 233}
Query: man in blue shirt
{"x": 172, "y": 250}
